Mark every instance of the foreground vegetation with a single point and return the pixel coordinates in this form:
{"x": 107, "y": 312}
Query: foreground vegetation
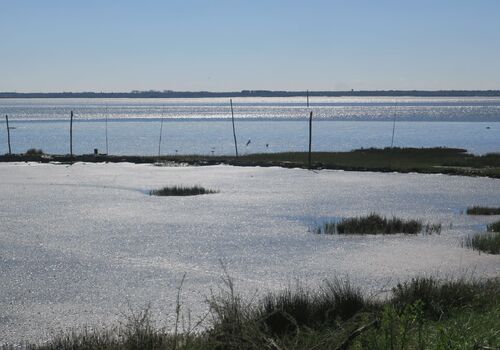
{"x": 376, "y": 224}
{"x": 181, "y": 191}
{"x": 421, "y": 160}
{"x": 424, "y": 313}
{"x": 477, "y": 210}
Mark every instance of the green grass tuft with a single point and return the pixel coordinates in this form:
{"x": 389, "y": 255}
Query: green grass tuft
{"x": 484, "y": 242}
{"x": 375, "y": 224}
{"x": 440, "y": 297}
{"x": 292, "y": 309}
{"x": 181, "y": 191}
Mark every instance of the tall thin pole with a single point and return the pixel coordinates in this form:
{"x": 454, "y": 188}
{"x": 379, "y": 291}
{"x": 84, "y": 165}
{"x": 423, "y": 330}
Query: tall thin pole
{"x": 107, "y": 149}
{"x": 71, "y": 134}
{"x": 8, "y": 133}
{"x": 310, "y": 138}
{"x": 307, "y": 98}
{"x": 393, "y": 126}
{"x": 159, "y": 141}
{"x": 234, "y": 130}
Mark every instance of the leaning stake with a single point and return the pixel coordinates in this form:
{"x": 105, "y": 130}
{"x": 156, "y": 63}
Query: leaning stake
{"x": 393, "y": 126}
{"x": 234, "y": 130}
{"x": 71, "y": 135}
{"x": 8, "y": 133}
{"x": 159, "y": 141}
{"x": 107, "y": 149}
{"x": 310, "y": 137}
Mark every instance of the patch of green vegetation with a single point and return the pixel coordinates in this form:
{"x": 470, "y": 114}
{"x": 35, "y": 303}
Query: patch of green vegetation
{"x": 181, "y": 191}
{"x": 484, "y": 242}
{"x": 494, "y": 227}
{"x": 462, "y": 329}
{"x": 453, "y": 161}
{"x": 477, "y": 210}
{"x": 438, "y": 298}
{"x": 289, "y": 310}
{"x": 376, "y": 224}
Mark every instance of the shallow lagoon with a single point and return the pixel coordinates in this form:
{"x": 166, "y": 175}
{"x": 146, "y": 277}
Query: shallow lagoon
{"x": 140, "y": 137}
{"x": 203, "y": 126}
{"x": 80, "y": 244}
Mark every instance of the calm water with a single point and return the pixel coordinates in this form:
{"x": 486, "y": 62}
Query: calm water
{"x": 82, "y": 244}
{"x": 271, "y": 124}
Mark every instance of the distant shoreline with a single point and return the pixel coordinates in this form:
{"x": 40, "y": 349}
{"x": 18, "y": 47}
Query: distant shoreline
{"x": 255, "y": 93}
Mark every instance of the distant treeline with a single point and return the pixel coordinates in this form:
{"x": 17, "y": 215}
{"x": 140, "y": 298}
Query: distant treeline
{"x": 250, "y": 93}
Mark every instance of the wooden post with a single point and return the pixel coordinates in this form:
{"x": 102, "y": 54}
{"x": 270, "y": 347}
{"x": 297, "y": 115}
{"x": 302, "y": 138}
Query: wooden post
{"x": 393, "y": 126}
{"x": 107, "y": 149}
{"x": 8, "y": 133}
{"x": 393, "y": 129}
{"x": 159, "y": 141}
{"x": 310, "y": 138}
{"x": 71, "y": 135}
{"x": 234, "y": 130}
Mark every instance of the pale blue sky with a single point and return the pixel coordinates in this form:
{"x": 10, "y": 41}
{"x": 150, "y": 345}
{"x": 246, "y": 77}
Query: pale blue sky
{"x": 104, "y": 45}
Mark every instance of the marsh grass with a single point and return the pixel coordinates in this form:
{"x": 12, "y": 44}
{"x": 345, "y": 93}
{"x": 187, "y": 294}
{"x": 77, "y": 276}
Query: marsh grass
{"x": 181, "y": 191}
{"x": 484, "y": 242}
{"x": 477, "y": 210}
{"x": 374, "y": 224}
{"x": 292, "y": 309}
{"x": 433, "y": 228}
{"x": 494, "y": 227}
{"x": 439, "y": 297}
{"x": 409, "y": 328}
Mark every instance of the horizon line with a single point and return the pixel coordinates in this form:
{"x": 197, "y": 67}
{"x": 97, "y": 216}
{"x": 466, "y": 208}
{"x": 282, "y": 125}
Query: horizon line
{"x": 253, "y": 93}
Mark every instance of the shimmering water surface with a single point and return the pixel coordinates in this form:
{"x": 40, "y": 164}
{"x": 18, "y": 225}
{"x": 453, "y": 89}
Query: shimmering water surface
{"x": 81, "y": 244}
{"x": 203, "y": 126}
